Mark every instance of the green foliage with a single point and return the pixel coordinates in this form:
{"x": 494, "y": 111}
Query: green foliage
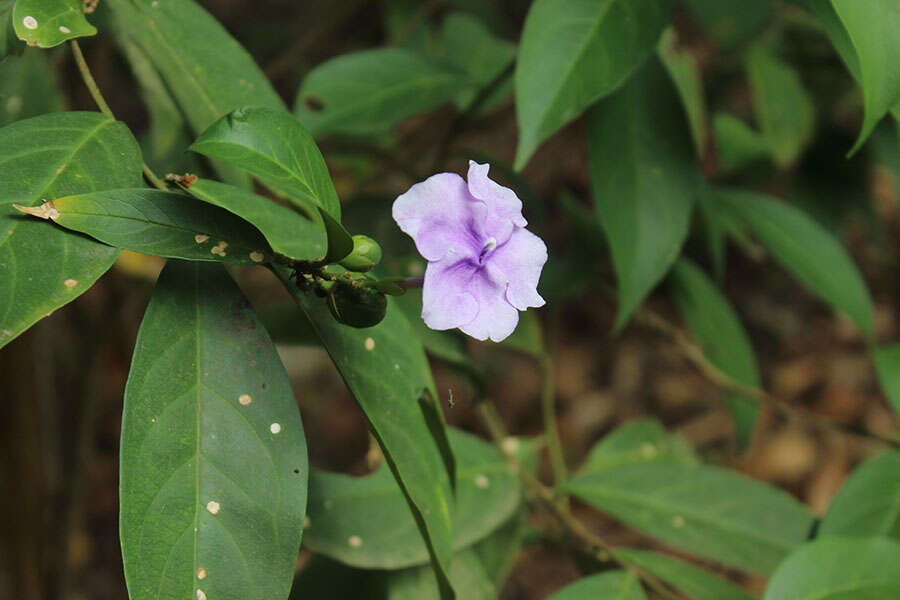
{"x": 613, "y": 584}
{"x": 887, "y": 361}
{"x": 49, "y": 156}
{"x": 365, "y": 522}
{"x": 806, "y": 249}
{"x": 369, "y": 92}
{"x": 708, "y": 511}
{"x": 164, "y": 224}
{"x": 48, "y": 23}
{"x": 839, "y": 569}
{"x": 684, "y": 70}
{"x": 638, "y": 442}
{"x": 213, "y": 468}
{"x": 288, "y": 232}
{"x": 694, "y": 581}
{"x": 28, "y": 88}
{"x": 719, "y": 331}
{"x": 730, "y": 22}
{"x": 9, "y": 42}
{"x": 644, "y": 182}
{"x": 738, "y": 143}
{"x": 862, "y": 32}
{"x": 574, "y": 53}
{"x": 868, "y": 504}
{"x": 784, "y": 110}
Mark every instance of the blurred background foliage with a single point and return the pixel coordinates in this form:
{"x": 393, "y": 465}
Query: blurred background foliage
{"x": 771, "y": 108}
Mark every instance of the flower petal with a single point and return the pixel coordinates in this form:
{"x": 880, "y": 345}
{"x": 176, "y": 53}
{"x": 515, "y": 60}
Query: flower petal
{"x": 520, "y": 261}
{"x": 440, "y": 215}
{"x": 496, "y": 317}
{"x": 504, "y": 207}
{"x": 446, "y": 300}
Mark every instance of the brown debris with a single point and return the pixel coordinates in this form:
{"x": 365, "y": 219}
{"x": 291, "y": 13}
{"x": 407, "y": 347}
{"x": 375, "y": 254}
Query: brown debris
{"x": 45, "y": 211}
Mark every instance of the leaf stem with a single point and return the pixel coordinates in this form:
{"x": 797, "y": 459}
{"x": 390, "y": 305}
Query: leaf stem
{"x": 101, "y": 103}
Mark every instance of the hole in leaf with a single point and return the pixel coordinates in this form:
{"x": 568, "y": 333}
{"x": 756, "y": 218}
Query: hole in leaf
{"x": 314, "y": 103}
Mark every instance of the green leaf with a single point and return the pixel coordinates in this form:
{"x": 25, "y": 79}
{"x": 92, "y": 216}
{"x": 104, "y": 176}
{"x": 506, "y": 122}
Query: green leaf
{"x": 730, "y": 22}
{"x": 612, "y": 585}
{"x": 887, "y": 361}
{"x": 697, "y": 583}
{"x": 321, "y": 577}
{"x": 288, "y": 325}
{"x": 644, "y": 182}
{"x": 574, "y": 53}
{"x": 467, "y": 575}
{"x": 737, "y": 143}
{"x": 839, "y": 569}
{"x": 637, "y": 442}
{"x": 368, "y": 92}
{"x": 683, "y": 68}
{"x": 784, "y": 109}
{"x": 365, "y": 521}
{"x": 9, "y": 41}
{"x": 287, "y": 232}
{"x": 868, "y": 504}
{"x": 213, "y": 466}
{"x": 42, "y": 267}
{"x": 388, "y": 375}
{"x": 711, "y": 512}
{"x": 807, "y": 250}
{"x": 468, "y": 45}
{"x": 28, "y": 88}
{"x": 446, "y": 345}
{"x": 499, "y": 550}
{"x": 275, "y": 147}
{"x": 862, "y": 33}
{"x": 162, "y": 224}
{"x": 717, "y": 328}
{"x": 528, "y": 336}
{"x": 49, "y": 23}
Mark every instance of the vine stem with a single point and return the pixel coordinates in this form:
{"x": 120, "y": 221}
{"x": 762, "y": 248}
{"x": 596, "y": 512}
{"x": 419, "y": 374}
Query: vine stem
{"x": 590, "y": 543}
{"x": 651, "y": 320}
{"x": 548, "y": 409}
{"x": 101, "y": 103}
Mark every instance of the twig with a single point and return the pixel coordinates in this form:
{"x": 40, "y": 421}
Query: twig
{"x": 696, "y": 356}
{"x": 100, "y": 101}
{"x": 458, "y": 123}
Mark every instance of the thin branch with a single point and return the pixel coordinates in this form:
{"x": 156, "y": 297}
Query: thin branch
{"x": 100, "y": 101}
{"x": 651, "y": 320}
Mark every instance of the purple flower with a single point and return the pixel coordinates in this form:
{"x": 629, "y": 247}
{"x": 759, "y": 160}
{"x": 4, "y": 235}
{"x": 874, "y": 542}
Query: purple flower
{"x": 483, "y": 265}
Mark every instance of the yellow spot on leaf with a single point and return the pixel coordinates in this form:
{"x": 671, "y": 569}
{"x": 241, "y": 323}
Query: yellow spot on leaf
{"x": 275, "y": 428}
{"x": 30, "y": 22}
{"x": 370, "y": 344}
{"x": 257, "y": 257}
{"x": 201, "y": 573}
{"x": 355, "y": 541}
{"x": 245, "y": 399}
{"x": 213, "y": 507}
{"x": 201, "y": 238}
{"x": 70, "y": 283}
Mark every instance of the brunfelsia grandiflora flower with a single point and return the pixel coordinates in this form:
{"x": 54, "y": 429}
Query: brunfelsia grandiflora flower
{"x": 483, "y": 265}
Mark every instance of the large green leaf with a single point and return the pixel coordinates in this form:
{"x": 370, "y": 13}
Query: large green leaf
{"x": 684, "y": 70}
{"x": 387, "y": 373}
{"x": 887, "y": 360}
{"x": 644, "y": 181}
{"x": 863, "y": 32}
{"x": 275, "y": 147}
{"x": 612, "y": 585}
{"x": 467, "y": 574}
{"x": 698, "y": 583}
{"x": 9, "y": 41}
{"x": 717, "y": 328}
{"x": 369, "y": 92}
{"x": 868, "y": 504}
{"x": 41, "y": 267}
{"x": 784, "y": 110}
{"x": 207, "y": 71}
{"x": 365, "y": 521}
{"x": 288, "y": 232}
{"x": 737, "y": 143}
{"x": 446, "y": 345}
{"x": 163, "y": 224}
{"x": 28, "y": 88}
{"x": 213, "y": 466}
{"x": 640, "y": 441}
{"x": 837, "y": 568}
{"x": 806, "y": 249}
{"x": 573, "y": 53}
{"x": 468, "y": 45}
{"x": 48, "y": 23}
{"x": 708, "y": 511}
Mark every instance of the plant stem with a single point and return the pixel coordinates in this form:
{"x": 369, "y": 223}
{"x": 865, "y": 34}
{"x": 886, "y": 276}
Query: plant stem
{"x": 100, "y": 101}
{"x": 551, "y": 426}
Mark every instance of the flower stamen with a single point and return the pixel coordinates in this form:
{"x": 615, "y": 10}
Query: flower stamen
{"x": 488, "y": 247}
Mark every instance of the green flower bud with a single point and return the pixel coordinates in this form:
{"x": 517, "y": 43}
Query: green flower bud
{"x": 366, "y": 254}
{"x": 357, "y": 306}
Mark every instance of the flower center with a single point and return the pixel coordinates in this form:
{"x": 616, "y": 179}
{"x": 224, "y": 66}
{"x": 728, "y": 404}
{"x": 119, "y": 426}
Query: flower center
{"x": 488, "y": 247}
